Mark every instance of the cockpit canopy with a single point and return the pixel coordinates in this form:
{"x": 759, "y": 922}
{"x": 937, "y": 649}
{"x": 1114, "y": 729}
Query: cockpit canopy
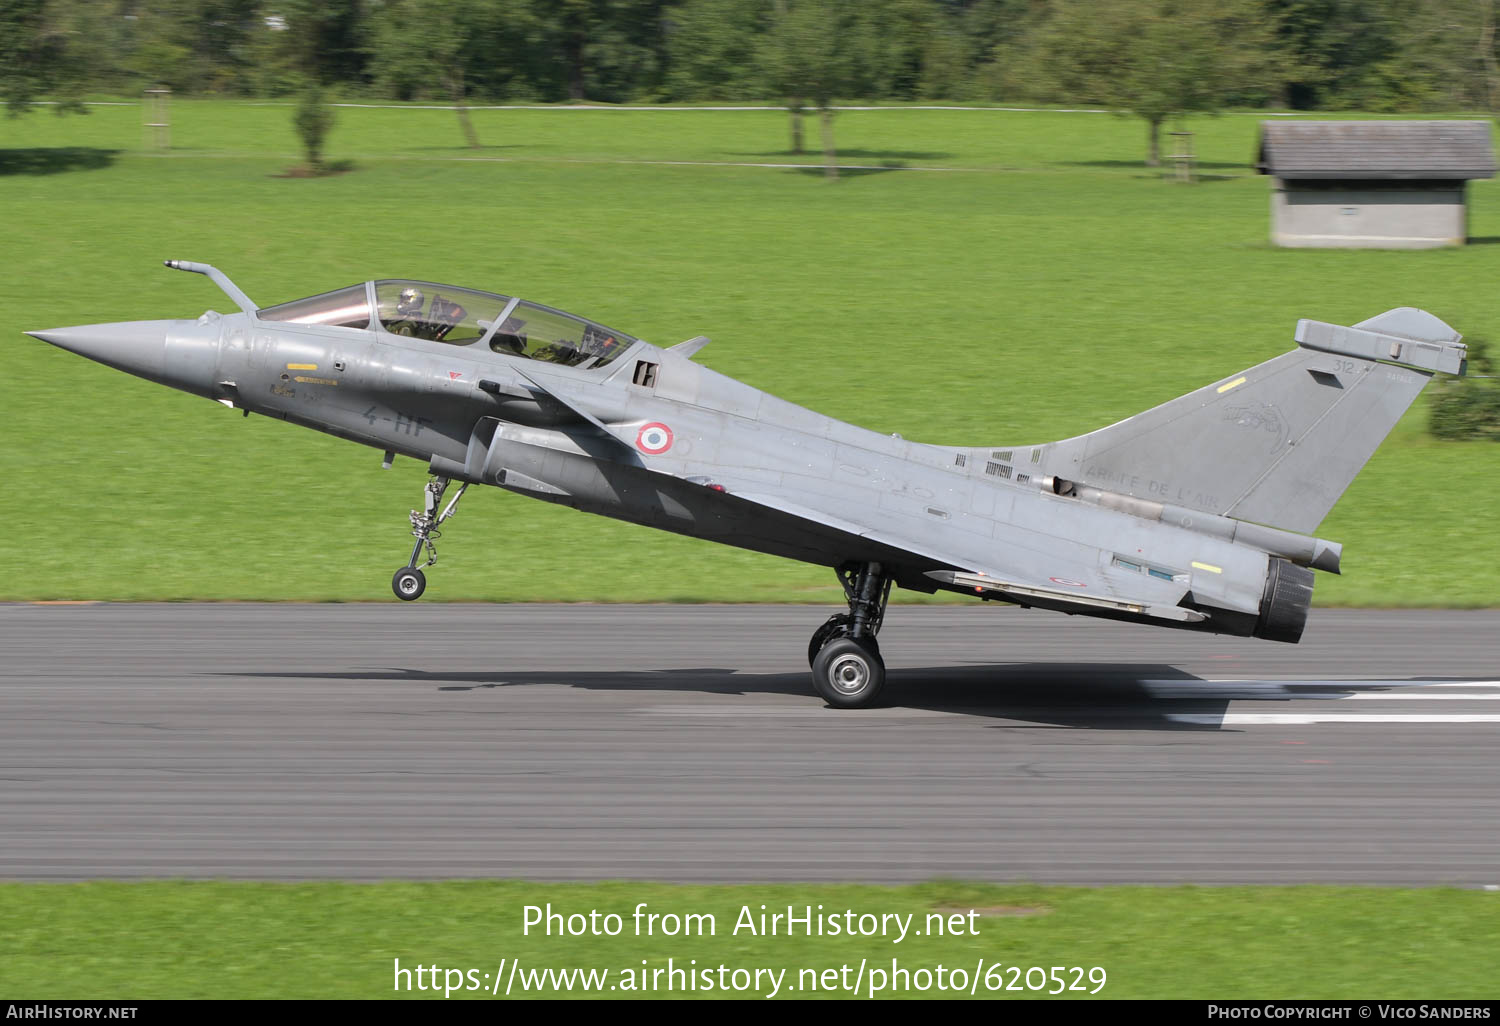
{"x": 461, "y": 317}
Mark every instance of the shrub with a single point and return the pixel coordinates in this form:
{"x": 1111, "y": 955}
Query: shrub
{"x": 314, "y": 119}
{"x": 1468, "y": 408}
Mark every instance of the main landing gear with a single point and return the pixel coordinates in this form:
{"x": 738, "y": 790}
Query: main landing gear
{"x": 846, "y": 666}
{"x": 410, "y": 582}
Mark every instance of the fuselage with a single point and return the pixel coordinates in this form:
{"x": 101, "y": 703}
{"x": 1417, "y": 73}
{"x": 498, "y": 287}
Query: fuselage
{"x": 693, "y": 452}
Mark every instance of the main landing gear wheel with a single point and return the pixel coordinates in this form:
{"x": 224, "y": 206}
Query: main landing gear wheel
{"x": 847, "y": 669}
{"x": 848, "y": 673}
{"x": 409, "y": 583}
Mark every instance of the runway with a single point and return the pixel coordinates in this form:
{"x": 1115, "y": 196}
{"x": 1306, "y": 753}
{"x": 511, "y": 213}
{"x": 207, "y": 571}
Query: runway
{"x": 684, "y": 743}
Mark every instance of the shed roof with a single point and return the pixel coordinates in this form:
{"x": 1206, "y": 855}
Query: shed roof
{"x": 1376, "y": 149}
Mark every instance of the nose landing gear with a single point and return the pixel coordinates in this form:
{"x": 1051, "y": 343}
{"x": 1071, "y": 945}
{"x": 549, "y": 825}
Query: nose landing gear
{"x": 847, "y": 669}
{"x": 410, "y": 582}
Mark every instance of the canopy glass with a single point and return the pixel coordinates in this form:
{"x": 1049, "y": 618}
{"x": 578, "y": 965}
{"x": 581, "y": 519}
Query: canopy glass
{"x": 461, "y": 317}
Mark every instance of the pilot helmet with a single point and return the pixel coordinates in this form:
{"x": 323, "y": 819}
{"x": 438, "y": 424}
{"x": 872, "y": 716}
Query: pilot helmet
{"x": 410, "y": 301}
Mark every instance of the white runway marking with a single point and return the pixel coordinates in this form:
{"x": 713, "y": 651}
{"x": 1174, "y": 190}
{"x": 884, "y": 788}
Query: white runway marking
{"x": 1329, "y": 682}
{"x": 1427, "y": 683}
{"x": 1304, "y": 719}
{"x": 811, "y": 708}
{"x": 1167, "y": 691}
{"x": 1326, "y": 690}
{"x": 1399, "y": 696}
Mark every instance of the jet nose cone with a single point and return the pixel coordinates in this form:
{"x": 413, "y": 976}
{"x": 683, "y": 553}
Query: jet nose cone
{"x": 134, "y": 346}
{"x": 55, "y": 336}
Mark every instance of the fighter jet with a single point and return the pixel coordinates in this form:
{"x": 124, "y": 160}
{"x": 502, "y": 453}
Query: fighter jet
{"x": 1197, "y": 514}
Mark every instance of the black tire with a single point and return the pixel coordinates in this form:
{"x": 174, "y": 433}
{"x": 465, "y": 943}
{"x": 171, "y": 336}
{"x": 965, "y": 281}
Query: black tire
{"x": 409, "y": 583}
{"x": 848, "y": 673}
{"x": 835, "y": 626}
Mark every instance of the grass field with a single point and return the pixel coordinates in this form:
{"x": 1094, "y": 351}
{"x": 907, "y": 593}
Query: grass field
{"x": 1047, "y": 286}
{"x": 330, "y": 940}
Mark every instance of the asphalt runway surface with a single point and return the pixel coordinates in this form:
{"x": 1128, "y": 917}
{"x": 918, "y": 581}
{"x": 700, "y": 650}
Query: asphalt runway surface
{"x": 684, "y": 743}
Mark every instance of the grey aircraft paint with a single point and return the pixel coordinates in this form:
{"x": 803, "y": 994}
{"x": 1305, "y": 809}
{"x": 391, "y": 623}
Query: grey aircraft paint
{"x": 1196, "y": 514}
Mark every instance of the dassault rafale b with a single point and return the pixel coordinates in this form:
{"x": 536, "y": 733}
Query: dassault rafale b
{"x": 1197, "y": 514}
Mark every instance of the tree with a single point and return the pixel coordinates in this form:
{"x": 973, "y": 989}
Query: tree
{"x": 1155, "y": 59}
{"x": 1339, "y": 53}
{"x": 1451, "y": 52}
{"x": 779, "y": 57}
{"x": 189, "y": 45}
{"x": 327, "y": 39}
{"x": 962, "y": 41}
{"x": 810, "y": 54}
{"x": 40, "y": 54}
{"x": 884, "y": 45}
{"x": 611, "y": 50}
{"x": 713, "y": 50}
{"x": 423, "y": 44}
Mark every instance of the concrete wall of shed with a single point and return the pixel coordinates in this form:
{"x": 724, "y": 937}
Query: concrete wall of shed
{"x": 1374, "y": 215}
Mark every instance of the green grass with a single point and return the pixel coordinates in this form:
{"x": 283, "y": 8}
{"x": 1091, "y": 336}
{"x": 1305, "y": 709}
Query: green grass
{"x": 1051, "y": 288}
{"x": 332, "y": 940}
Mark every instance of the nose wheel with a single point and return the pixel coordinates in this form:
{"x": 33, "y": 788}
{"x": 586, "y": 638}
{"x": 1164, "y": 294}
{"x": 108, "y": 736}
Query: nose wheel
{"x": 847, "y": 669}
{"x": 409, "y": 582}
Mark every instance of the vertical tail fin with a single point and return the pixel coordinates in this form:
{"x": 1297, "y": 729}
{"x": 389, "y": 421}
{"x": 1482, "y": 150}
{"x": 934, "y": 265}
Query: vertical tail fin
{"x": 1276, "y": 444}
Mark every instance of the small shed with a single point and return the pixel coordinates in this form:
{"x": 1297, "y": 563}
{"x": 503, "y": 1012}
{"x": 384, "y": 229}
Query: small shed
{"x": 1377, "y": 184}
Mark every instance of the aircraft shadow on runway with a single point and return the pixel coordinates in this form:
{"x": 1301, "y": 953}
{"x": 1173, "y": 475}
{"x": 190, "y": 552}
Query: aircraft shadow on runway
{"x": 1090, "y": 696}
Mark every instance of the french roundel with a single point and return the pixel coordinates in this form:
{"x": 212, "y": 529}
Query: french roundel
{"x": 654, "y": 439}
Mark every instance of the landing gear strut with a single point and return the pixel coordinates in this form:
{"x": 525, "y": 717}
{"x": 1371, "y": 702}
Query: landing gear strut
{"x": 410, "y": 582}
{"x": 846, "y": 666}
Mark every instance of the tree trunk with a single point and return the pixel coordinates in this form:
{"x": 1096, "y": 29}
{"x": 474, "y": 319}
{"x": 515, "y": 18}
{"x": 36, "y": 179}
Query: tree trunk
{"x": 794, "y": 107}
{"x": 1487, "y": 55}
{"x": 468, "y": 126}
{"x": 1153, "y": 148}
{"x": 830, "y": 159}
{"x": 574, "y": 51}
{"x": 456, "y": 90}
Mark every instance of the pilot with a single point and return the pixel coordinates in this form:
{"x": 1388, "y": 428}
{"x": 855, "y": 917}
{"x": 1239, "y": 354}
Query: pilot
{"x": 409, "y": 303}
{"x": 408, "y": 320}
